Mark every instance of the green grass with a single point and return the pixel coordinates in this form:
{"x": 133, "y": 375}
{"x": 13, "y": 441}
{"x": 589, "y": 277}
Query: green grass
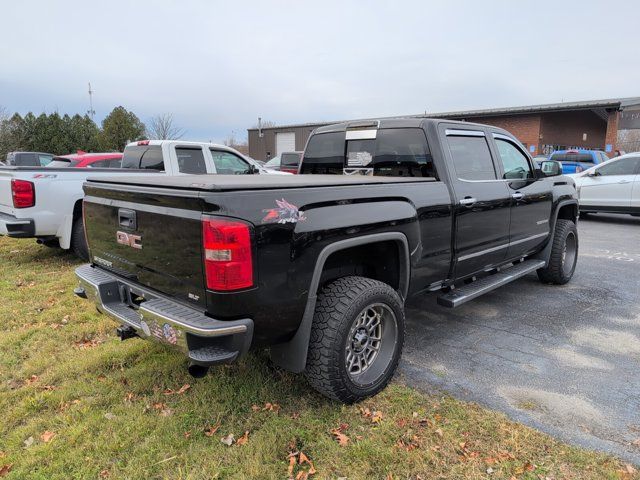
{"x": 62, "y": 370}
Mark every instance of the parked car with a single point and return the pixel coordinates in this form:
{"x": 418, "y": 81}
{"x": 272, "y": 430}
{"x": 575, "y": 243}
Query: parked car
{"x": 177, "y": 157}
{"x": 576, "y": 161}
{"x": 318, "y": 267}
{"x": 46, "y": 203}
{"x": 87, "y": 160}
{"x": 612, "y": 187}
{"x": 285, "y": 162}
{"x": 29, "y": 159}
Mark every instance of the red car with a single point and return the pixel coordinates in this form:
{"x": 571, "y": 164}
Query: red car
{"x": 88, "y": 160}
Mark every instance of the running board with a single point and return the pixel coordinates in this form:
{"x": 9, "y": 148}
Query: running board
{"x": 463, "y": 294}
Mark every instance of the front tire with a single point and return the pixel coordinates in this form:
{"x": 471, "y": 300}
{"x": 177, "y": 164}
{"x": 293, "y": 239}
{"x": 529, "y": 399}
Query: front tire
{"x": 356, "y": 339}
{"x": 564, "y": 254}
{"x": 78, "y": 240}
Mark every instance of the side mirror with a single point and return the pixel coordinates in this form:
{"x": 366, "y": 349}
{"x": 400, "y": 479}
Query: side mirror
{"x": 595, "y": 173}
{"x": 551, "y": 168}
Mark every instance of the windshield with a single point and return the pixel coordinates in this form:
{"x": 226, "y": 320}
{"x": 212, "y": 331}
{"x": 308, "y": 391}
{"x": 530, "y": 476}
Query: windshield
{"x": 274, "y": 162}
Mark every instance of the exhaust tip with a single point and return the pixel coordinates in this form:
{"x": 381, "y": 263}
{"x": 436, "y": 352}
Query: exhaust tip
{"x": 197, "y": 371}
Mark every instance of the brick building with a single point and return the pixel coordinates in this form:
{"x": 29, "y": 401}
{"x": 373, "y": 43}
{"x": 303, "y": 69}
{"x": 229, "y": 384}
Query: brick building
{"x": 541, "y": 128}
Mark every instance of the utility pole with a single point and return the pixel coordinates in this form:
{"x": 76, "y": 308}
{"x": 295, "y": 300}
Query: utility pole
{"x": 91, "y": 111}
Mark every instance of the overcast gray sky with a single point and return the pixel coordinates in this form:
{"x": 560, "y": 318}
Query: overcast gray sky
{"x": 217, "y": 66}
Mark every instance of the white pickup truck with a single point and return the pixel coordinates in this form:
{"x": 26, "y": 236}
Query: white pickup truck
{"x": 46, "y": 202}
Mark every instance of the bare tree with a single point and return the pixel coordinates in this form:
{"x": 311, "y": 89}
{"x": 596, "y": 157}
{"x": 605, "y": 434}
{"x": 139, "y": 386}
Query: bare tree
{"x": 239, "y": 144}
{"x": 629, "y": 140}
{"x": 161, "y": 127}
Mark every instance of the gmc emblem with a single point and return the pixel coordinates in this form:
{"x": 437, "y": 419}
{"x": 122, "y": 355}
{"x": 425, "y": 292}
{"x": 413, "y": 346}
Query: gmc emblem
{"x": 129, "y": 239}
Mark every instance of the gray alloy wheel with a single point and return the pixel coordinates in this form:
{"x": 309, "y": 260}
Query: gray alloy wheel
{"x": 371, "y": 343}
{"x": 356, "y": 338}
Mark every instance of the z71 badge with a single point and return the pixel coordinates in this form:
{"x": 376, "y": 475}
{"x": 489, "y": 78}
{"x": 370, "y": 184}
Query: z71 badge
{"x": 285, "y": 213}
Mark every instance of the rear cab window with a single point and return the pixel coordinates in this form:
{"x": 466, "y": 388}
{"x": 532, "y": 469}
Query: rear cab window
{"x": 471, "y": 156}
{"x": 290, "y": 159}
{"x": 395, "y": 152}
{"x": 146, "y": 157}
{"x": 572, "y": 157}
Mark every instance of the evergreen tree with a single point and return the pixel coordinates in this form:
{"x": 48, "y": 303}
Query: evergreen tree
{"x": 120, "y": 127}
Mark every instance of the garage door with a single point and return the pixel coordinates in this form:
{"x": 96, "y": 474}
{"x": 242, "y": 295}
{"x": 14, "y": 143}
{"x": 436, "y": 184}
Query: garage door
{"x": 285, "y": 142}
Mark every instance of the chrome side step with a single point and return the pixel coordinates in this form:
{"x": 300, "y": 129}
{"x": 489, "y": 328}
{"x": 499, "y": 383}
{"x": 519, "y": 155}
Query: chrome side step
{"x": 463, "y": 294}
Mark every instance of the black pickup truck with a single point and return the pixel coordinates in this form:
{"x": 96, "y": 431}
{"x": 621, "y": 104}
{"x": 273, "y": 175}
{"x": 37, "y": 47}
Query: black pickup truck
{"x": 318, "y": 266}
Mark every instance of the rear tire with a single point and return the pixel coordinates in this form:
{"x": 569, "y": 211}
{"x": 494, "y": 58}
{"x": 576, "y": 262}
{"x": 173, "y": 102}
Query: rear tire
{"x": 564, "y": 254}
{"x": 356, "y": 339}
{"x": 78, "y": 240}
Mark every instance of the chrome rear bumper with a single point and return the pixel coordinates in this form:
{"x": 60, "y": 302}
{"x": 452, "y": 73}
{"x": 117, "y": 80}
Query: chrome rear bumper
{"x": 206, "y": 341}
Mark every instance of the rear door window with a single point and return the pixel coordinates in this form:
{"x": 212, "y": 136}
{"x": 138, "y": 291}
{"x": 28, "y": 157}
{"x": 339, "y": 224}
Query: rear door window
{"x": 471, "y": 157}
{"x": 191, "y": 160}
{"x": 45, "y": 160}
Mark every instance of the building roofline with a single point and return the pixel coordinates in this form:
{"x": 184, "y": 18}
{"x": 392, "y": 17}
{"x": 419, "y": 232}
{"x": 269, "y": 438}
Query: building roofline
{"x": 618, "y": 103}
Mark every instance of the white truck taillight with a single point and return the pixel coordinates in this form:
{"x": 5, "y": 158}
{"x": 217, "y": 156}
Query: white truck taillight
{"x": 23, "y": 193}
{"x": 228, "y": 254}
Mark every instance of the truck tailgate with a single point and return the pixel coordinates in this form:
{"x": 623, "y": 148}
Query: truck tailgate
{"x": 155, "y": 240}
{"x": 6, "y": 199}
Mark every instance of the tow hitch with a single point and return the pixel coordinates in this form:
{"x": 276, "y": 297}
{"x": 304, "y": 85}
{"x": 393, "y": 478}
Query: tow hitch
{"x": 126, "y": 332}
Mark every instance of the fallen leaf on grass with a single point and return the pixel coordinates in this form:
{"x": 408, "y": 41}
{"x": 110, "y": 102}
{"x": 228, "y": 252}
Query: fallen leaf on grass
{"x": 342, "y": 439}
{"x": 255, "y": 408}
{"x": 5, "y": 469}
{"x": 104, "y": 474}
{"x": 49, "y": 388}
{"x": 86, "y": 343}
{"x": 129, "y": 397}
{"x": 228, "y": 440}
{"x": 271, "y": 407}
{"x": 28, "y": 442}
{"x": 187, "y": 434}
{"x": 31, "y": 379}
{"x": 439, "y": 432}
{"x": 182, "y": 389}
{"x": 376, "y": 417}
{"x": 292, "y": 464}
{"x": 211, "y": 430}
{"x": 243, "y": 439}
{"x": 47, "y": 436}
{"x": 109, "y": 416}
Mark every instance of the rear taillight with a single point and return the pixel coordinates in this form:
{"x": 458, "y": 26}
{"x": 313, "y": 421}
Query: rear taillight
{"x": 228, "y": 255}
{"x": 23, "y": 192}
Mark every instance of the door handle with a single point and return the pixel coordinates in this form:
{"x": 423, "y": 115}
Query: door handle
{"x": 624, "y": 181}
{"x": 468, "y": 201}
{"x": 517, "y": 196}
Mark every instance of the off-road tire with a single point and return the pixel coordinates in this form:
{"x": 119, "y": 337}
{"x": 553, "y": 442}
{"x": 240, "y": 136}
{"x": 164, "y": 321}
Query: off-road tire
{"x": 555, "y": 272}
{"x": 78, "y": 240}
{"x": 338, "y": 306}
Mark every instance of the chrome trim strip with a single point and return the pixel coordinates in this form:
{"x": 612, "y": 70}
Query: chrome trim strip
{"x": 466, "y": 133}
{"x": 499, "y": 247}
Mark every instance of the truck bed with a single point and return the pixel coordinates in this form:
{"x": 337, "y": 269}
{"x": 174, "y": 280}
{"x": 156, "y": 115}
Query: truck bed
{"x": 219, "y": 183}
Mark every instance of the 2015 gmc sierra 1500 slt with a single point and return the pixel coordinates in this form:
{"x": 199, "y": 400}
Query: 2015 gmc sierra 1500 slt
{"x": 317, "y": 266}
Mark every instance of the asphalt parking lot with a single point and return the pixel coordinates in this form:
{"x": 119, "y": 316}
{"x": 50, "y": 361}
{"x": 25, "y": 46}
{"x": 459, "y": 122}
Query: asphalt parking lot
{"x": 563, "y": 359}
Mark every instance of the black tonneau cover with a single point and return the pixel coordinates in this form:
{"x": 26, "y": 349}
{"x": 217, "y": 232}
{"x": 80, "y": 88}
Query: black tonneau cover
{"x": 218, "y": 183}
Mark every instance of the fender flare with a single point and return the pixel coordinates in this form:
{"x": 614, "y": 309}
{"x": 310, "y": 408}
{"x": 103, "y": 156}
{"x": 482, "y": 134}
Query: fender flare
{"x": 545, "y": 253}
{"x": 292, "y": 355}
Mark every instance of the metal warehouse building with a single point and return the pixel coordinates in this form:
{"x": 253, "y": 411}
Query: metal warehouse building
{"x": 541, "y": 128}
